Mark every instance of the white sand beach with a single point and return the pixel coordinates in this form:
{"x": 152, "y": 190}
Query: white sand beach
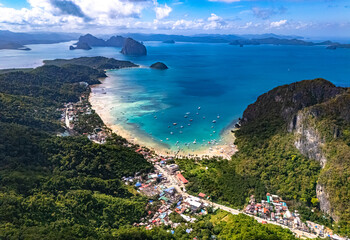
{"x": 102, "y": 103}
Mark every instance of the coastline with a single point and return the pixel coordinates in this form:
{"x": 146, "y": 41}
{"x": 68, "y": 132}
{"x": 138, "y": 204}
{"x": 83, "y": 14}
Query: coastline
{"x": 99, "y": 101}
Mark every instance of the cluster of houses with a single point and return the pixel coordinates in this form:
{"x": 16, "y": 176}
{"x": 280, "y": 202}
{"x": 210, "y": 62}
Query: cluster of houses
{"x": 275, "y": 209}
{"x": 70, "y": 117}
{"x": 167, "y": 200}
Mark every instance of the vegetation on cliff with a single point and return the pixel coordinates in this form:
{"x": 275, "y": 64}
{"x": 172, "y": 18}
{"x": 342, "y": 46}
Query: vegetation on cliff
{"x": 269, "y": 161}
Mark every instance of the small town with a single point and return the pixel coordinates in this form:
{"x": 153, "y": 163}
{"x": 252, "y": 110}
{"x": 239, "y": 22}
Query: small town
{"x": 167, "y": 187}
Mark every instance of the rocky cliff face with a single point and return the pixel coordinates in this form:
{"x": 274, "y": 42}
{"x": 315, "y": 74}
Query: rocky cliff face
{"x": 310, "y": 143}
{"x": 318, "y": 114}
{"x": 321, "y": 133}
{"x": 325, "y": 204}
{"x": 307, "y": 140}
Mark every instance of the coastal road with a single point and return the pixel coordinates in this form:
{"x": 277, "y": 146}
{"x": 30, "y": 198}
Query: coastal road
{"x": 173, "y": 182}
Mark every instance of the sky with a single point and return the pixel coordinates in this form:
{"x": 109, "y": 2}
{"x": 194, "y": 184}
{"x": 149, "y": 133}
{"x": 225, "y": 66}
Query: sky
{"x": 310, "y": 18}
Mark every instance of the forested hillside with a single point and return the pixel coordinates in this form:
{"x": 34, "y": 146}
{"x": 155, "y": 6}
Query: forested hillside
{"x": 276, "y": 157}
{"x": 59, "y": 187}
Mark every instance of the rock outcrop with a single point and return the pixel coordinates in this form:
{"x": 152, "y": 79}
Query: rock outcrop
{"x": 323, "y": 198}
{"x": 134, "y": 48}
{"x": 307, "y": 139}
{"x": 159, "y": 66}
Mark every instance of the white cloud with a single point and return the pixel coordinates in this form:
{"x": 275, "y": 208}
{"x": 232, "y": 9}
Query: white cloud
{"x": 214, "y": 17}
{"x": 70, "y": 14}
{"x": 278, "y": 23}
{"x": 162, "y": 11}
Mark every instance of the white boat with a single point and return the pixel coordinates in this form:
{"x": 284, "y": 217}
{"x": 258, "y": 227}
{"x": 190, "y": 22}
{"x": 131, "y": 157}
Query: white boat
{"x": 194, "y": 142}
{"x": 214, "y": 121}
{"x": 199, "y": 108}
{"x": 174, "y": 124}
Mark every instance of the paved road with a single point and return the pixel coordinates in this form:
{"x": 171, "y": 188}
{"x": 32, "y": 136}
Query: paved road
{"x": 173, "y": 182}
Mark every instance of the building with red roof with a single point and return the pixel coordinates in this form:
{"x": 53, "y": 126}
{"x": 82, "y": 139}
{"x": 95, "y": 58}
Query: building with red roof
{"x": 181, "y": 178}
{"x": 202, "y": 195}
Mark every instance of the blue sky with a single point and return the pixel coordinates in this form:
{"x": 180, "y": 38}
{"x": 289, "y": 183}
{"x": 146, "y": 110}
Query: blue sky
{"x": 313, "y": 18}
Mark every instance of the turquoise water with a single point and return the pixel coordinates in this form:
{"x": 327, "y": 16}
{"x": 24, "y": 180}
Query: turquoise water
{"x": 220, "y": 79}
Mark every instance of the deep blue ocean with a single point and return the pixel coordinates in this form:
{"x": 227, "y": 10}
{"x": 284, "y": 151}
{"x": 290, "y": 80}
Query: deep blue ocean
{"x": 220, "y": 79}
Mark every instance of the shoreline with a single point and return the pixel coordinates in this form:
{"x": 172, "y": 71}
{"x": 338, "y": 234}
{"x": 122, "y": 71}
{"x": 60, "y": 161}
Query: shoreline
{"x": 99, "y": 102}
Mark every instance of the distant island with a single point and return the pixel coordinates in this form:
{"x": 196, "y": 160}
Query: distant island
{"x": 17, "y": 41}
{"x": 159, "y": 66}
{"x": 334, "y": 46}
{"x": 14, "y": 46}
{"x": 169, "y": 41}
{"x": 129, "y": 46}
{"x": 281, "y": 41}
{"x": 133, "y": 47}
